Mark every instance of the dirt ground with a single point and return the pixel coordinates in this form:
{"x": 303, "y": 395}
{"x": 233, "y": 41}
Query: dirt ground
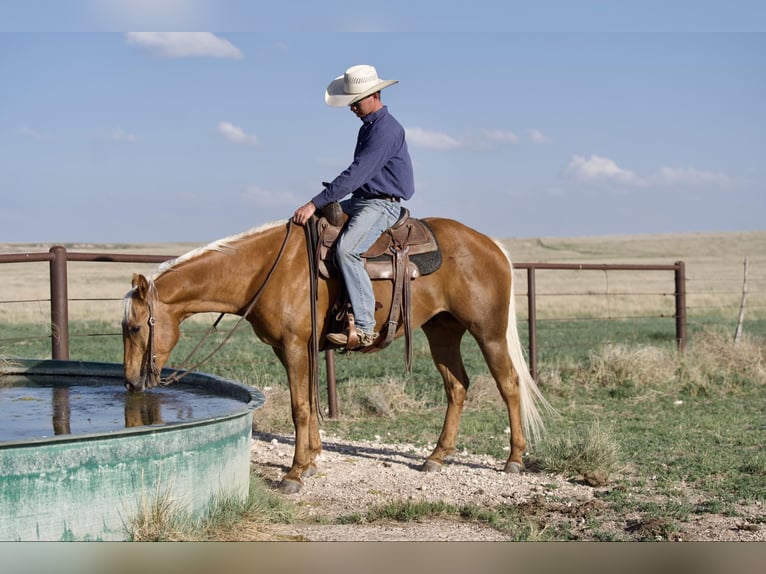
{"x": 356, "y": 476}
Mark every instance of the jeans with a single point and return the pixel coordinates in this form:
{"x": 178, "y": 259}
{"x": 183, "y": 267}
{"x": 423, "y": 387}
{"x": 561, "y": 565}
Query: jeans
{"x": 369, "y": 218}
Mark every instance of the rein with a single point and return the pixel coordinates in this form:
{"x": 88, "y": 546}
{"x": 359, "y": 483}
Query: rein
{"x": 177, "y": 374}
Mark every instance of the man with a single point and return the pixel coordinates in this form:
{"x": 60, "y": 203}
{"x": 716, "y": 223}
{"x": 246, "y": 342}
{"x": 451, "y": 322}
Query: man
{"x": 379, "y": 178}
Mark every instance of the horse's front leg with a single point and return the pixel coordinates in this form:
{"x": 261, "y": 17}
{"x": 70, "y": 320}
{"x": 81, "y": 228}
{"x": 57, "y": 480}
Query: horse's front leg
{"x": 308, "y": 444}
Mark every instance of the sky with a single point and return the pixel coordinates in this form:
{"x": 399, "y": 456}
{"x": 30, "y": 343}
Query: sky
{"x": 523, "y": 119}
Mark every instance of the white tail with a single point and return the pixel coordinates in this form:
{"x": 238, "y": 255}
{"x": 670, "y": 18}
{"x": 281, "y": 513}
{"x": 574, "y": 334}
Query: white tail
{"x": 530, "y": 395}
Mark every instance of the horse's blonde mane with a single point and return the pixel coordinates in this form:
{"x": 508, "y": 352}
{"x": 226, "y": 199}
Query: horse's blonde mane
{"x": 220, "y": 245}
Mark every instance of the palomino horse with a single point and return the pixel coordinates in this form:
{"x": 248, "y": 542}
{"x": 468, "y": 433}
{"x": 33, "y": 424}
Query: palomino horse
{"x": 472, "y": 291}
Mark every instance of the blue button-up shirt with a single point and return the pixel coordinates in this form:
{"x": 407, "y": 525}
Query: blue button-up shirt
{"x": 381, "y": 167}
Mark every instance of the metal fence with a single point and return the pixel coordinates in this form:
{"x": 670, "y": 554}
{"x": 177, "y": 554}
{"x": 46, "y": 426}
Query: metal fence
{"x": 58, "y": 258}
{"x": 679, "y": 294}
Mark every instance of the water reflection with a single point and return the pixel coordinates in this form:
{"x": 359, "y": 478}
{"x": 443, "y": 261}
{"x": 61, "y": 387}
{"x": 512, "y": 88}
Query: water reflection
{"x": 142, "y": 409}
{"x": 40, "y": 406}
{"x": 61, "y": 411}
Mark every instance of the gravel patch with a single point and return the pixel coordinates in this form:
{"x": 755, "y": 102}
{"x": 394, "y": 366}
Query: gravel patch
{"x": 356, "y": 476}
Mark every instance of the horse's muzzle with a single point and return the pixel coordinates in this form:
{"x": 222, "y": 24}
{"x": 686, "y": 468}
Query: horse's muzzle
{"x": 135, "y": 386}
{"x": 141, "y": 383}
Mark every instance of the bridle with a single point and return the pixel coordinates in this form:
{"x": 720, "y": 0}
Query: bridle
{"x": 150, "y": 356}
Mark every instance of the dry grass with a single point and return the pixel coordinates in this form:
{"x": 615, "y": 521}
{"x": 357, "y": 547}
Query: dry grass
{"x": 711, "y": 365}
{"x": 591, "y": 457}
{"x": 95, "y": 289}
{"x": 161, "y": 519}
{"x": 274, "y": 414}
{"x": 386, "y": 399}
{"x": 714, "y": 270}
{"x": 713, "y": 263}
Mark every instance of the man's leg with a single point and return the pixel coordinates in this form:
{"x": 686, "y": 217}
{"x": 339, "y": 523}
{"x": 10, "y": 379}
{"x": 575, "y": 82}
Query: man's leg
{"x": 369, "y": 218}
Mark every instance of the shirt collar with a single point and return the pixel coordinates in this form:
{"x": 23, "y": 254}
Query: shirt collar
{"x": 370, "y": 118}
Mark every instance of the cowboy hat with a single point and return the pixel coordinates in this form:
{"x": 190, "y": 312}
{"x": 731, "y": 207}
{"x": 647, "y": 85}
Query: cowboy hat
{"x": 358, "y": 82}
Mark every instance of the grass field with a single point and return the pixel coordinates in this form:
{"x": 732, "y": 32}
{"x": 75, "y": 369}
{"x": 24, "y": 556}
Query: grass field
{"x": 688, "y": 428}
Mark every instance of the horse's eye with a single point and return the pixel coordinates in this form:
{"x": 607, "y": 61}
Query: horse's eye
{"x": 134, "y": 329}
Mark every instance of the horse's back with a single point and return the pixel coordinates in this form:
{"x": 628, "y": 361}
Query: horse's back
{"x": 466, "y": 247}
{"x": 473, "y": 283}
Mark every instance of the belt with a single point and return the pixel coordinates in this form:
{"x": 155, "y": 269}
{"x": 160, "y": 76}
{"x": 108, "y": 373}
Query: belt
{"x": 389, "y": 198}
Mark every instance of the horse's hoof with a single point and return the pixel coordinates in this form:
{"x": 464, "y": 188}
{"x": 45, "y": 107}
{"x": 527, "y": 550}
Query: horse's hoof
{"x": 514, "y": 468}
{"x": 310, "y": 471}
{"x": 431, "y": 466}
{"x": 289, "y": 486}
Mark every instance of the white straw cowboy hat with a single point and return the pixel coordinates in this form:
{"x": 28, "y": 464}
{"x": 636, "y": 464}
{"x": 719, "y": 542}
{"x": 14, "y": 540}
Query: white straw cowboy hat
{"x": 358, "y": 82}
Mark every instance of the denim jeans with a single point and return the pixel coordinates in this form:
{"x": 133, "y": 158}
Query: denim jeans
{"x": 368, "y": 219}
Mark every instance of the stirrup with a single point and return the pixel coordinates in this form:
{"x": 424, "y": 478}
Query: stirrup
{"x": 357, "y": 339}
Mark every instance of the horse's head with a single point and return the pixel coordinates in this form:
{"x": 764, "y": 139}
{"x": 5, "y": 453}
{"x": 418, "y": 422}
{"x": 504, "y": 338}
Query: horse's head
{"x": 149, "y": 334}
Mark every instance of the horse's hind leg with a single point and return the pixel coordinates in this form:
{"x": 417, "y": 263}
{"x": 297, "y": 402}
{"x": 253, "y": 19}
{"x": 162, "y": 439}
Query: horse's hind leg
{"x": 496, "y": 354}
{"x": 444, "y": 336}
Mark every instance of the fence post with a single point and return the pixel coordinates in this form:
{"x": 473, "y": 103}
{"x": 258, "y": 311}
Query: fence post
{"x": 680, "y": 277}
{"x": 532, "y": 320}
{"x": 59, "y": 304}
{"x": 332, "y": 392}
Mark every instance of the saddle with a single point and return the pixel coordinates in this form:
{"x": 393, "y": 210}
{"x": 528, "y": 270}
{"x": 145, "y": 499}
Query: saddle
{"x": 407, "y": 234}
{"x": 404, "y": 252}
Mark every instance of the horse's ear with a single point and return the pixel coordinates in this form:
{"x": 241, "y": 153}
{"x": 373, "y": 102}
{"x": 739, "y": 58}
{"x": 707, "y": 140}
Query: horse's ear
{"x": 141, "y": 285}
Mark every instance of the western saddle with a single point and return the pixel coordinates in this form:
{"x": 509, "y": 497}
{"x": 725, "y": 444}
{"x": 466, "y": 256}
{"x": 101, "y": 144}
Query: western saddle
{"x": 404, "y": 252}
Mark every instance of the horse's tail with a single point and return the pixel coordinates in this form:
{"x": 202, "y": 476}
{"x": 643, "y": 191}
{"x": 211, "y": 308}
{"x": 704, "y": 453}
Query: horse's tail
{"x": 530, "y": 395}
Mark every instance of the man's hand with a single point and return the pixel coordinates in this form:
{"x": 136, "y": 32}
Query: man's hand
{"x": 304, "y": 213}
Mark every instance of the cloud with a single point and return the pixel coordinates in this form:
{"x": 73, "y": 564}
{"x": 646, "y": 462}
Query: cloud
{"x": 34, "y": 134}
{"x": 236, "y": 134}
{"x": 689, "y": 176}
{"x": 431, "y": 139}
{"x": 270, "y": 197}
{"x": 184, "y": 45}
{"x": 499, "y": 136}
{"x": 119, "y": 135}
{"x": 600, "y": 169}
{"x": 537, "y": 137}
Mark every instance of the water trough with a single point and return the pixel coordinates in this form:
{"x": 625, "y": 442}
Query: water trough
{"x": 80, "y": 457}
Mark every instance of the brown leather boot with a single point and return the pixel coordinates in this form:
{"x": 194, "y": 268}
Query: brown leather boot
{"x": 342, "y": 339}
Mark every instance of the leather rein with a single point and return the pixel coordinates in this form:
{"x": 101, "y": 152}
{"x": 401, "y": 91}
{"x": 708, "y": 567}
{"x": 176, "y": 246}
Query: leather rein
{"x": 180, "y": 372}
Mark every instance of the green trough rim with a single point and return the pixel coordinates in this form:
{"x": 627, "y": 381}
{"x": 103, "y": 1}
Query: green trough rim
{"x": 250, "y": 397}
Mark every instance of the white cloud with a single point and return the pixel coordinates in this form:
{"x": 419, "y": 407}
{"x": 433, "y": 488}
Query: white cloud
{"x": 32, "y": 133}
{"x": 270, "y": 197}
{"x": 184, "y": 44}
{"x": 499, "y": 136}
{"x": 689, "y": 176}
{"x": 119, "y": 135}
{"x": 536, "y": 136}
{"x": 600, "y": 169}
{"x": 431, "y": 139}
{"x": 236, "y": 134}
